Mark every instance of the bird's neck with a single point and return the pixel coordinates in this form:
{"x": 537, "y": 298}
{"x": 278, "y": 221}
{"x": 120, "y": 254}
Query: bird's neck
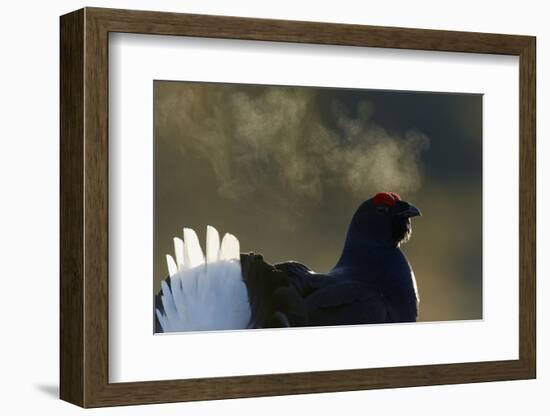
{"x": 358, "y": 248}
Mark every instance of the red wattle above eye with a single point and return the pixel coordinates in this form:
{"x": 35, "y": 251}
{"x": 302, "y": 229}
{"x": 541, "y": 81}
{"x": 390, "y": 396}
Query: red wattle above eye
{"x": 386, "y": 198}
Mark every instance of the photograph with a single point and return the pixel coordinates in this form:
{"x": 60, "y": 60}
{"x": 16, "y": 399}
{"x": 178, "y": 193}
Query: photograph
{"x": 279, "y": 206}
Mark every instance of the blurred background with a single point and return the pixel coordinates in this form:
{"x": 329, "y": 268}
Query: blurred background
{"x": 285, "y": 168}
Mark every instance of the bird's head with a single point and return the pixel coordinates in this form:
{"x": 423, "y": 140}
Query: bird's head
{"x": 384, "y": 219}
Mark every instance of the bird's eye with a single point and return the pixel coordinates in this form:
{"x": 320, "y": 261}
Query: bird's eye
{"x": 382, "y": 209}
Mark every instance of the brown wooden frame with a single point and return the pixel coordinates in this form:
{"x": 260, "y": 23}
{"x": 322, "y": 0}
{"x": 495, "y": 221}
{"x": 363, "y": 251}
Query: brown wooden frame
{"x": 84, "y": 208}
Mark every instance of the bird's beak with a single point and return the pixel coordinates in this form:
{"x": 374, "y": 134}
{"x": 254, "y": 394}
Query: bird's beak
{"x": 410, "y": 211}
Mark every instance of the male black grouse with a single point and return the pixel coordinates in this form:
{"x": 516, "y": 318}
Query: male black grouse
{"x": 372, "y": 282}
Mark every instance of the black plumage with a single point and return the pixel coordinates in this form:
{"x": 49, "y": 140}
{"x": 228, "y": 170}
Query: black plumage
{"x": 372, "y": 282}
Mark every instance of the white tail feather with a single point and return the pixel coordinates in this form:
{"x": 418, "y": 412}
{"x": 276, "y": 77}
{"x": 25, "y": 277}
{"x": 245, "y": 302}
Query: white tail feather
{"x": 203, "y": 295}
{"x": 168, "y": 303}
{"x": 212, "y": 244}
{"x": 192, "y": 253}
{"x": 230, "y": 248}
{"x": 178, "y": 251}
{"x": 172, "y": 268}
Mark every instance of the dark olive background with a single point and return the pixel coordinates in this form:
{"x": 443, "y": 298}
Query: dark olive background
{"x": 284, "y": 168}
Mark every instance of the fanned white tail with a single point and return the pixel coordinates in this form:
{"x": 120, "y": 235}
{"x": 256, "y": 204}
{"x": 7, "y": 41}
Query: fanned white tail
{"x": 204, "y": 293}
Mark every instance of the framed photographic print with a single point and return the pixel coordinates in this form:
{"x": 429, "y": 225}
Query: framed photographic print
{"x": 255, "y": 207}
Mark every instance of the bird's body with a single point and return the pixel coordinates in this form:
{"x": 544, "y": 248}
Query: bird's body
{"x": 379, "y": 288}
{"x": 372, "y": 282}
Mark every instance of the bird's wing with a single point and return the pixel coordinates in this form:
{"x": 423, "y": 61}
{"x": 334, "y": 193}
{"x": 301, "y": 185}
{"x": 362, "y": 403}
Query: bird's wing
{"x": 304, "y": 280}
{"x": 346, "y": 303}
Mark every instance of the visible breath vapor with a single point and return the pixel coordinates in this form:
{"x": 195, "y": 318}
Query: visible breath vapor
{"x": 276, "y": 144}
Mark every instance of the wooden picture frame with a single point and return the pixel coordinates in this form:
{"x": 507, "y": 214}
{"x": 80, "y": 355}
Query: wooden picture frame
{"x": 84, "y": 207}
